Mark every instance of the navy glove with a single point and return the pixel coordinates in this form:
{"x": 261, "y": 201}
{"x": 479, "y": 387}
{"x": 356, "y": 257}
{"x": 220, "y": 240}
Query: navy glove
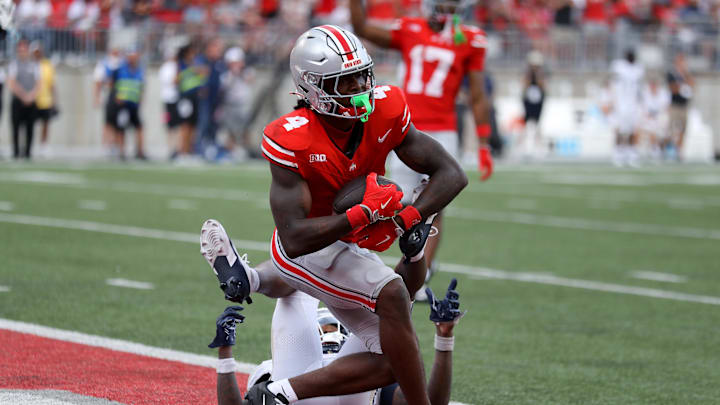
{"x": 446, "y": 310}
{"x": 225, "y": 334}
{"x": 414, "y": 239}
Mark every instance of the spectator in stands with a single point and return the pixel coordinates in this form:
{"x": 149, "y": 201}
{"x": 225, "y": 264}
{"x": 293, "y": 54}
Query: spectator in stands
{"x": 104, "y": 71}
{"x": 46, "y": 97}
{"x": 127, "y": 82}
{"x": 237, "y": 96}
{"x": 595, "y": 24}
{"x": 31, "y": 17}
{"x": 23, "y": 75}
{"x": 191, "y": 77}
{"x": 83, "y": 14}
{"x": 212, "y": 60}
{"x": 170, "y": 95}
{"x": 682, "y": 85}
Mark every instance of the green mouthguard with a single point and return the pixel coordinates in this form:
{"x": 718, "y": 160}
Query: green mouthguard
{"x": 458, "y": 37}
{"x": 363, "y": 100}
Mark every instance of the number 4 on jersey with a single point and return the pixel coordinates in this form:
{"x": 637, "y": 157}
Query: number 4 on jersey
{"x": 295, "y": 122}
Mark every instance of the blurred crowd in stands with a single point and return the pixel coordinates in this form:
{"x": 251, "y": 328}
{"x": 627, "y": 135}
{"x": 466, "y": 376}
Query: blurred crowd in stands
{"x": 207, "y": 68}
{"x": 535, "y": 17}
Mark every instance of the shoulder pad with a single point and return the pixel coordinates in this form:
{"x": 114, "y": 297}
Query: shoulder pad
{"x": 293, "y": 130}
{"x": 389, "y": 101}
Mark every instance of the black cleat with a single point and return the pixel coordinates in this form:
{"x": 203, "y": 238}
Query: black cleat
{"x": 259, "y": 394}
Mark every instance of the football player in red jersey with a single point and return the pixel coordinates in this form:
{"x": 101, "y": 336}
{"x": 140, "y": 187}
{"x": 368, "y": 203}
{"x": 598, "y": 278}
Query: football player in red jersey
{"x": 343, "y": 128}
{"x": 438, "y": 53}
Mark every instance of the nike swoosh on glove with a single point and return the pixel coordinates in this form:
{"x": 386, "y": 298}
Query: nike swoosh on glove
{"x": 378, "y": 236}
{"x": 381, "y": 201}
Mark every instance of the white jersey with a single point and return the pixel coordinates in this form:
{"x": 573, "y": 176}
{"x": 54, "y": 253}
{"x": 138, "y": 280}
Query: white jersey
{"x": 627, "y": 81}
{"x": 167, "y": 74}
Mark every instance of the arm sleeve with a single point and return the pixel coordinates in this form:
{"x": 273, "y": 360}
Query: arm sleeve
{"x": 478, "y": 44}
{"x": 278, "y": 155}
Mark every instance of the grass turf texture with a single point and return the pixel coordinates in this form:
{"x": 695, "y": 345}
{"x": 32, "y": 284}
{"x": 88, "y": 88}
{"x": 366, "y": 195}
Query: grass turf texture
{"x": 520, "y": 343}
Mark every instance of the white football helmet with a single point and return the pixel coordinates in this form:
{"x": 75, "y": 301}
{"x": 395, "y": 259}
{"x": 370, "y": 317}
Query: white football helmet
{"x": 319, "y": 59}
{"x": 332, "y": 341}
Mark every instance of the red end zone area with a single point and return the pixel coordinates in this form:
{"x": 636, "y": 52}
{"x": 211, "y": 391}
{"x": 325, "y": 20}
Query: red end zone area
{"x": 32, "y": 362}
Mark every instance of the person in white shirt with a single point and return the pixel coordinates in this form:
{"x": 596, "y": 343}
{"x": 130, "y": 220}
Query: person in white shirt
{"x": 169, "y": 94}
{"x": 655, "y": 116}
{"x": 627, "y": 78}
{"x": 236, "y": 99}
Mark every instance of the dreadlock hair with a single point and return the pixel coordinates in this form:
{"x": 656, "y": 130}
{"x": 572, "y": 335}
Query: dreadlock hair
{"x": 302, "y": 103}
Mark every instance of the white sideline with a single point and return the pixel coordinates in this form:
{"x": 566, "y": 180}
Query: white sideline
{"x": 117, "y": 345}
{"x": 124, "y": 346}
{"x": 449, "y": 267}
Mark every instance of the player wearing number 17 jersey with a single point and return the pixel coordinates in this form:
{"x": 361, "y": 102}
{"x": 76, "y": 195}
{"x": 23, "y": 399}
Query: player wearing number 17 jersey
{"x": 438, "y": 53}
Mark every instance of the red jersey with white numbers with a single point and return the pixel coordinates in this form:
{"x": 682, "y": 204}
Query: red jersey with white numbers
{"x": 298, "y": 141}
{"x": 435, "y": 68}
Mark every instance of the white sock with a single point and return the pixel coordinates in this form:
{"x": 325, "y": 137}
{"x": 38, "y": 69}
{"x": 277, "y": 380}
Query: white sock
{"x": 283, "y": 387}
{"x": 253, "y": 278}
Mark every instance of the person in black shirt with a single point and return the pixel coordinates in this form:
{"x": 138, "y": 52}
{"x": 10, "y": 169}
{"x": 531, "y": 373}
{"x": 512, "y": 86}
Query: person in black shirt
{"x": 681, "y": 85}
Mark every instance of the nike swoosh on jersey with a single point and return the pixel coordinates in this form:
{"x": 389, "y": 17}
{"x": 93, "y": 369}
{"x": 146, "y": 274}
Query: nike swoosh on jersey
{"x": 387, "y": 238}
{"x": 381, "y": 139}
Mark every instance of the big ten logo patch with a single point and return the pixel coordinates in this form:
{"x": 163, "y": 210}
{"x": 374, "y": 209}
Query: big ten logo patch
{"x": 318, "y": 157}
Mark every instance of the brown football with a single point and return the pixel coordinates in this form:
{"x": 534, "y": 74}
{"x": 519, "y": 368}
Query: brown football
{"x": 352, "y": 193}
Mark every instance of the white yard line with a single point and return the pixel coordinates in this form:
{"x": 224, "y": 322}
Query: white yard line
{"x": 121, "y": 282}
{"x": 583, "y": 224}
{"x": 4, "y": 288}
{"x": 655, "y": 276}
{"x": 185, "y": 205}
{"x": 6, "y": 206}
{"x": 523, "y": 204}
{"x": 449, "y": 267}
{"x": 92, "y": 205}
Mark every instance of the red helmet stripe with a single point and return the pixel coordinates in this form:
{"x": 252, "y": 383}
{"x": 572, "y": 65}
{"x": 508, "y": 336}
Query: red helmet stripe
{"x": 341, "y": 39}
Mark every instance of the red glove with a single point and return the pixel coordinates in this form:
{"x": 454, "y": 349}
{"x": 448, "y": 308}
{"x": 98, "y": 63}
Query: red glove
{"x": 378, "y": 236}
{"x": 485, "y": 163}
{"x": 379, "y": 201}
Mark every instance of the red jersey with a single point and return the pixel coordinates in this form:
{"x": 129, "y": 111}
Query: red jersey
{"x": 298, "y": 141}
{"x": 435, "y": 68}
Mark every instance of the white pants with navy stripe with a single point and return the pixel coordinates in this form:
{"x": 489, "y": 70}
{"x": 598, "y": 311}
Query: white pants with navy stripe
{"x": 347, "y": 278}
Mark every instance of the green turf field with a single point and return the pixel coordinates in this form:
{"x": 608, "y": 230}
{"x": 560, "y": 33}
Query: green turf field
{"x": 547, "y": 259}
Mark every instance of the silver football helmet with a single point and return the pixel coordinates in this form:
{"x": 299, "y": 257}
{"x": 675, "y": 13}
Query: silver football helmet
{"x": 332, "y": 333}
{"x": 320, "y": 59}
{"x": 444, "y": 10}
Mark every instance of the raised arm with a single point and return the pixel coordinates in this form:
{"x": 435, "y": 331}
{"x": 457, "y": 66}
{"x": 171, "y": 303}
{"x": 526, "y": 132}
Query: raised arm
{"x": 425, "y": 155}
{"x": 378, "y": 35}
{"x": 480, "y": 106}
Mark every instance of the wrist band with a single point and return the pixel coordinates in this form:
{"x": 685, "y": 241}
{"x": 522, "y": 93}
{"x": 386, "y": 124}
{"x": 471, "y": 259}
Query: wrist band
{"x": 225, "y": 366}
{"x": 418, "y": 256}
{"x": 483, "y": 130}
{"x": 357, "y": 217}
{"x": 410, "y": 216}
{"x": 444, "y": 344}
